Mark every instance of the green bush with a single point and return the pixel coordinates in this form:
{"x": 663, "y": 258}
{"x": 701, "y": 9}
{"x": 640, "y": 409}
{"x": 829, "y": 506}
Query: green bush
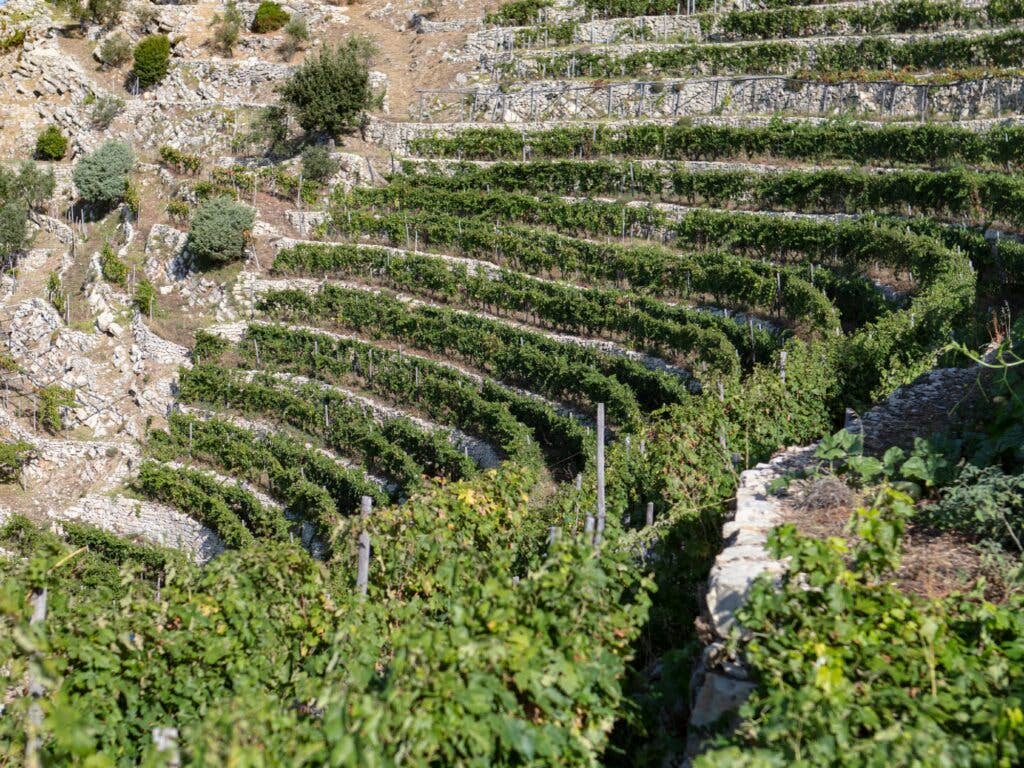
{"x": 317, "y": 164}
{"x": 329, "y": 90}
{"x": 51, "y": 144}
{"x": 219, "y": 230}
{"x": 52, "y": 399}
{"x": 270, "y": 17}
{"x": 114, "y": 270}
{"x": 145, "y": 297}
{"x": 115, "y": 50}
{"x": 152, "y": 59}
{"x": 101, "y": 177}
{"x": 227, "y": 28}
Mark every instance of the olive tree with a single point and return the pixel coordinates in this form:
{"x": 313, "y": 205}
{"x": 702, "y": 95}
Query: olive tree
{"x": 101, "y": 177}
{"x": 330, "y": 89}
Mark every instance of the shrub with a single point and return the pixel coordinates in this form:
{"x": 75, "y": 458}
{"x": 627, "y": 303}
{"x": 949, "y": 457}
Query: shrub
{"x": 329, "y": 90}
{"x": 219, "y": 230}
{"x": 114, "y": 270}
{"x": 317, "y": 163}
{"x": 101, "y": 177}
{"x": 296, "y": 34}
{"x": 51, "y": 144}
{"x": 178, "y": 210}
{"x": 104, "y": 12}
{"x": 145, "y": 297}
{"x": 227, "y": 28}
{"x": 270, "y": 17}
{"x": 13, "y": 456}
{"x": 152, "y": 59}
{"x": 52, "y": 399}
{"x": 105, "y": 109}
{"x": 115, "y": 50}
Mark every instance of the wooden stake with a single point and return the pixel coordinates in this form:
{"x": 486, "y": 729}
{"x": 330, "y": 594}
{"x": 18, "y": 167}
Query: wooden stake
{"x": 650, "y": 513}
{"x": 600, "y": 476}
{"x": 363, "y": 573}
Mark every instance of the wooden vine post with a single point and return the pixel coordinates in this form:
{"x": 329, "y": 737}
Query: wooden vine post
{"x": 363, "y": 573}
{"x": 599, "y": 530}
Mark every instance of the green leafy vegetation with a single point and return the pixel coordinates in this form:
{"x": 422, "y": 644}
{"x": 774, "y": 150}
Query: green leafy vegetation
{"x": 152, "y": 57}
{"x": 331, "y": 88}
{"x": 269, "y": 17}
{"x": 101, "y": 177}
{"x": 219, "y": 230}
{"x": 51, "y": 144}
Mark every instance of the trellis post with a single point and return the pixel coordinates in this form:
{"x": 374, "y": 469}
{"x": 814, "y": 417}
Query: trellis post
{"x": 600, "y": 476}
{"x": 363, "y": 573}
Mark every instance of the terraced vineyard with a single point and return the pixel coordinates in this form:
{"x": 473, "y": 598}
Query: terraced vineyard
{"x": 364, "y": 514}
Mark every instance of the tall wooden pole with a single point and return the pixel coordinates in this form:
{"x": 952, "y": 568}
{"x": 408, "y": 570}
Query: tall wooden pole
{"x": 600, "y": 476}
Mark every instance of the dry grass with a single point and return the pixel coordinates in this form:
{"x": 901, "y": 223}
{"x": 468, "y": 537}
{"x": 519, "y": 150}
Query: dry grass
{"x": 932, "y": 564}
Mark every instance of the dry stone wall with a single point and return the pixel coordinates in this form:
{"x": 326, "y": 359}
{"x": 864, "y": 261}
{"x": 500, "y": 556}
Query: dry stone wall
{"x": 555, "y": 100}
{"x": 721, "y": 682}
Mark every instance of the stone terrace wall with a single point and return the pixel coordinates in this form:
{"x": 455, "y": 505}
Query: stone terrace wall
{"x": 720, "y": 683}
{"x": 575, "y": 100}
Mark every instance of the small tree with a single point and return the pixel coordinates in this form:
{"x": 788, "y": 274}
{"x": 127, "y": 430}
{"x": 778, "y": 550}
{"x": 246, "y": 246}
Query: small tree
{"x": 51, "y": 144}
{"x": 219, "y": 230}
{"x": 152, "y": 60}
{"x": 317, "y": 163}
{"x": 329, "y": 90}
{"x": 296, "y": 35}
{"x": 269, "y": 17}
{"x": 101, "y": 177}
{"x": 227, "y": 28}
{"x": 13, "y": 231}
{"x": 114, "y": 50}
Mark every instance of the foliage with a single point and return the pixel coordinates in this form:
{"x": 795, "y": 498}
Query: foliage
{"x": 994, "y": 49}
{"x": 853, "y": 672}
{"x": 51, "y": 144}
{"x": 540, "y": 687}
{"x": 219, "y": 230}
{"x": 985, "y": 502}
{"x": 113, "y": 269}
{"x": 519, "y": 12}
{"x": 20, "y": 193}
{"x": 269, "y": 17}
{"x": 182, "y": 162}
{"x": 115, "y": 50}
{"x": 296, "y": 35}
{"x": 152, "y": 58}
{"x": 55, "y": 293}
{"x": 144, "y": 300}
{"x": 678, "y": 333}
{"x": 101, "y": 177}
{"x": 52, "y": 399}
{"x": 330, "y": 89}
{"x": 106, "y": 13}
{"x": 929, "y": 144}
{"x": 104, "y": 110}
{"x": 13, "y": 456}
{"x": 559, "y": 370}
{"x": 227, "y": 28}
{"x": 317, "y": 163}
{"x": 396, "y": 448}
